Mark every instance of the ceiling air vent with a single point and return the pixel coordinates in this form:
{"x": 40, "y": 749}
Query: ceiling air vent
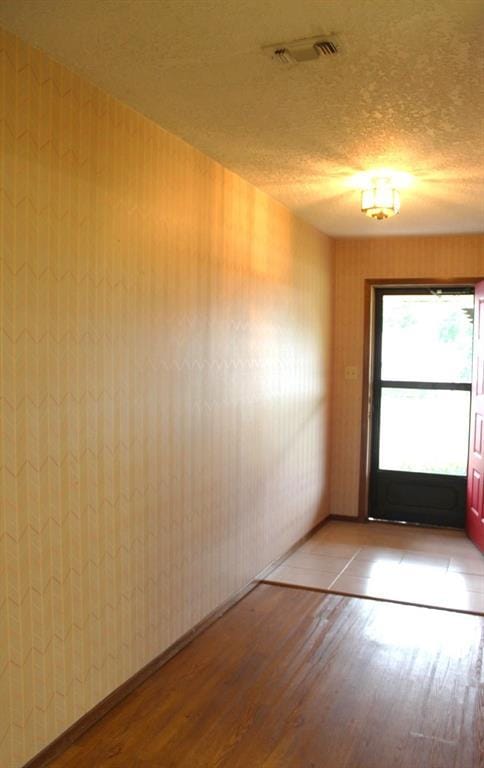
{"x": 326, "y": 48}
{"x": 298, "y": 51}
{"x": 283, "y": 56}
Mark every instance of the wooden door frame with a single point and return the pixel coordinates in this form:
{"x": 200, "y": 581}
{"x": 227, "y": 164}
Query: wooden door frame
{"x": 367, "y": 365}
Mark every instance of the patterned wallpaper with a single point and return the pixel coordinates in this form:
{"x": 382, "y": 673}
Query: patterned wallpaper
{"x": 378, "y": 258}
{"x": 164, "y": 356}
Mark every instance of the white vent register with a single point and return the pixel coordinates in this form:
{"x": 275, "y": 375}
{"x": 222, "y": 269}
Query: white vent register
{"x": 306, "y": 49}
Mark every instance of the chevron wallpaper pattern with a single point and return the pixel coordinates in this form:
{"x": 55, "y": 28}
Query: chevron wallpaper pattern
{"x": 164, "y": 368}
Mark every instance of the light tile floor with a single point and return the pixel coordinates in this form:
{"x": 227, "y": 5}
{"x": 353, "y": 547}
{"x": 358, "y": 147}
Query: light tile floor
{"x": 405, "y": 564}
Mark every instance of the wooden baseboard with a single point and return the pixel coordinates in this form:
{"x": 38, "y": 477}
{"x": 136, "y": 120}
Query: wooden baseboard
{"x": 69, "y": 736}
{"x": 348, "y": 519}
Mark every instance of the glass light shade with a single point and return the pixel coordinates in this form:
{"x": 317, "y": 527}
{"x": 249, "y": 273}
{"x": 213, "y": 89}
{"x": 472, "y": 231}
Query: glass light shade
{"x": 381, "y": 200}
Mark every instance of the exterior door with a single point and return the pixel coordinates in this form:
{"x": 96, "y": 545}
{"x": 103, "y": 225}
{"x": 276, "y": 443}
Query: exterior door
{"x": 421, "y": 407}
{"x": 475, "y": 475}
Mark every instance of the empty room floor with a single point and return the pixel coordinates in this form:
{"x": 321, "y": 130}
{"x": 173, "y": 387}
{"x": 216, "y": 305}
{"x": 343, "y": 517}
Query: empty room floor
{"x": 408, "y": 564}
{"x": 292, "y": 678}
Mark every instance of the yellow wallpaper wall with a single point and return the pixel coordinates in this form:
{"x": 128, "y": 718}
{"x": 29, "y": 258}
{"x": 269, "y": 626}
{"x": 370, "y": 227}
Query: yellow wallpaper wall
{"x": 164, "y": 359}
{"x": 377, "y": 258}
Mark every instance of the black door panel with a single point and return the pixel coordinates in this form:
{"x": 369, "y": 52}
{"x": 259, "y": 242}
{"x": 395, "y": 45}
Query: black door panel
{"x": 420, "y": 498}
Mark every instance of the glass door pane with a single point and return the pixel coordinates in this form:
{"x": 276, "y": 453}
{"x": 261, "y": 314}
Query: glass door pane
{"x": 424, "y": 430}
{"x": 427, "y": 337}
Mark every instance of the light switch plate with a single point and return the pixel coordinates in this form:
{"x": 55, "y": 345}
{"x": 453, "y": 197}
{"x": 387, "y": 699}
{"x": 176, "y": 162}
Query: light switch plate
{"x": 351, "y": 372}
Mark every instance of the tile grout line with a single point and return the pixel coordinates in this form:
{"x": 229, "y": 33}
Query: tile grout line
{"x": 346, "y": 566}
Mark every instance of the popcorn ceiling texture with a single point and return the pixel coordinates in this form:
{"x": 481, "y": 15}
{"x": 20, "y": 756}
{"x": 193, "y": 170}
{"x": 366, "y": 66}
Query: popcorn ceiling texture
{"x": 407, "y": 92}
{"x": 164, "y": 332}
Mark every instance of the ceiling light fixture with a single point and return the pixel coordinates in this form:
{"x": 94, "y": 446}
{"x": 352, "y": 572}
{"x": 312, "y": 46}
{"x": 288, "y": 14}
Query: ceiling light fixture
{"x": 380, "y": 200}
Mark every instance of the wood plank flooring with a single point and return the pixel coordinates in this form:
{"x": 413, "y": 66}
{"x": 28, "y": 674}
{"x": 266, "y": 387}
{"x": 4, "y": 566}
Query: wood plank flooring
{"x": 290, "y": 678}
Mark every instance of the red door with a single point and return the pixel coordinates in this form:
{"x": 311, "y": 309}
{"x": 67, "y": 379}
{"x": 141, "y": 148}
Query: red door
{"x": 475, "y": 474}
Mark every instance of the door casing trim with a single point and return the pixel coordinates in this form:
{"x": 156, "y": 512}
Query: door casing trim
{"x": 367, "y": 366}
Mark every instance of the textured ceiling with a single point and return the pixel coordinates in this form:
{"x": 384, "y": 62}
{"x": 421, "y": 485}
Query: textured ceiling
{"x": 406, "y": 92}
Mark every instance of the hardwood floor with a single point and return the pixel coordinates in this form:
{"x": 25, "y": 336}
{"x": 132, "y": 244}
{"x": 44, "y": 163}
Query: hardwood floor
{"x": 290, "y": 678}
